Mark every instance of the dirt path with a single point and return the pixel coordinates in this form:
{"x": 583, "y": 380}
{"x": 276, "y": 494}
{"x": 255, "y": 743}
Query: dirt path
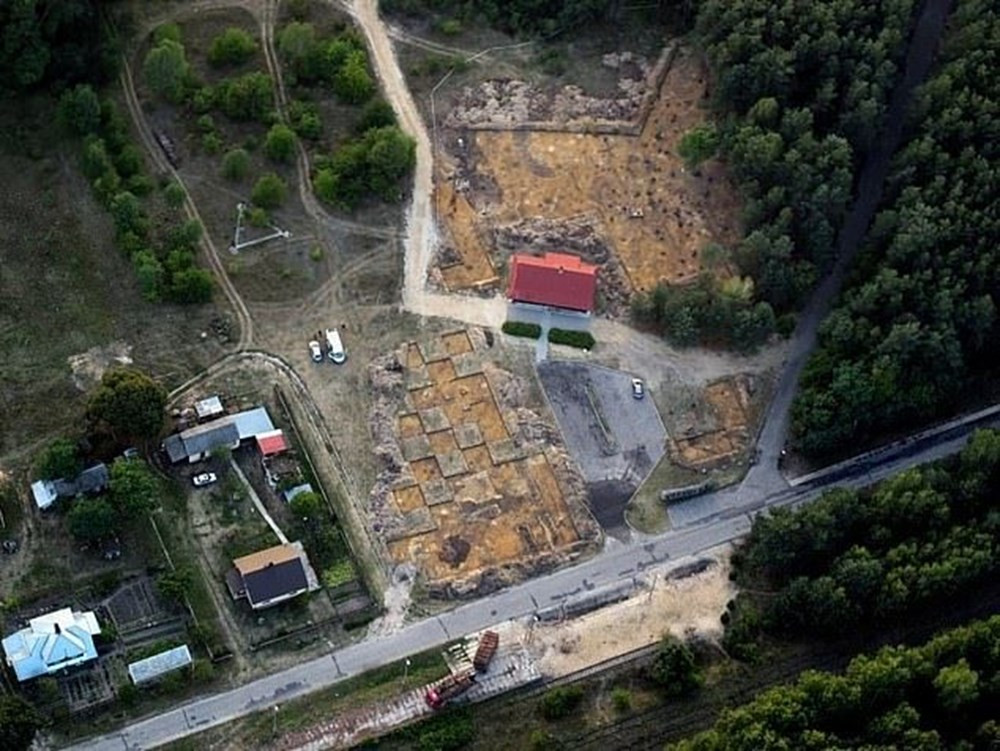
{"x": 268, "y": 25}
{"x": 244, "y": 320}
{"x": 420, "y": 217}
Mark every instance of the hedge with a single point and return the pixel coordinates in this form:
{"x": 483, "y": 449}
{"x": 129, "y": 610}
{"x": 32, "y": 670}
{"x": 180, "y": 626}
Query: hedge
{"x": 519, "y": 328}
{"x": 579, "y": 339}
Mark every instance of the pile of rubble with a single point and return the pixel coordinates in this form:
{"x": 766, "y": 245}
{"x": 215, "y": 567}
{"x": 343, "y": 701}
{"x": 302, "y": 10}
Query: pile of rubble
{"x": 507, "y": 103}
{"x": 385, "y": 374}
{"x": 580, "y": 236}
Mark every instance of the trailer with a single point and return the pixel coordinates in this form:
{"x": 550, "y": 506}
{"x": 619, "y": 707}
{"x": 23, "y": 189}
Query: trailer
{"x": 335, "y": 347}
{"x": 488, "y": 644}
{"x": 450, "y": 688}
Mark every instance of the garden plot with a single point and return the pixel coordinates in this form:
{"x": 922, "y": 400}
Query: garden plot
{"x": 477, "y": 490}
{"x": 615, "y": 438}
{"x": 632, "y": 190}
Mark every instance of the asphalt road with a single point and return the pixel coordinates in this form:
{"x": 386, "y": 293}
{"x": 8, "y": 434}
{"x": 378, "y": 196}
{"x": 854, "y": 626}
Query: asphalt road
{"x": 723, "y": 518}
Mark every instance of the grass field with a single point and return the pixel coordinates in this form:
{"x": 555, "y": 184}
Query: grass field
{"x": 66, "y": 289}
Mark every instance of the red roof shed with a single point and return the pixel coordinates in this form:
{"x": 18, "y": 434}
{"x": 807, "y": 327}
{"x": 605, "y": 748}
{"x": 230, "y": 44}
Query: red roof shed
{"x": 559, "y": 280}
{"x": 272, "y": 442}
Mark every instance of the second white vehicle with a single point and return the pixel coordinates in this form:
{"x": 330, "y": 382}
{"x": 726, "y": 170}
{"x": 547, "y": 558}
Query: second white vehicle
{"x": 315, "y": 351}
{"x": 336, "y": 347}
{"x": 205, "y": 478}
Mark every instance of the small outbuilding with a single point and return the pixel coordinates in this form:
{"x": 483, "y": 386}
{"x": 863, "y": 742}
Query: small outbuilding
{"x": 91, "y": 481}
{"x": 155, "y": 667}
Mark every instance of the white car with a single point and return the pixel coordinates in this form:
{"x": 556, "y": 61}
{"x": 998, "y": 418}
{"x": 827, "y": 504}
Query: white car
{"x": 315, "y": 352}
{"x": 638, "y": 388}
{"x": 205, "y": 478}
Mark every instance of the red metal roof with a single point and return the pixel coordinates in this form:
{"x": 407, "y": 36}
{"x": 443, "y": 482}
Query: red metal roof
{"x": 272, "y": 442}
{"x": 556, "y": 279}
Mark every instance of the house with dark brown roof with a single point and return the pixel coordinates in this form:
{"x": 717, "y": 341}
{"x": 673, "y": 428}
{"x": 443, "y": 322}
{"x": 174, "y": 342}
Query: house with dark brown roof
{"x": 271, "y": 576}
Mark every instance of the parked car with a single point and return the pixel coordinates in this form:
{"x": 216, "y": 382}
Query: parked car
{"x": 638, "y": 388}
{"x": 315, "y": 351}
{"x": 205, "y": 478}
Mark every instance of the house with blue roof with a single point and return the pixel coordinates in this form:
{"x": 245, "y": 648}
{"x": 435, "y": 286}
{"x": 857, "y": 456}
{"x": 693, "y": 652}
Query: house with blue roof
{"x": 52, "y": 642}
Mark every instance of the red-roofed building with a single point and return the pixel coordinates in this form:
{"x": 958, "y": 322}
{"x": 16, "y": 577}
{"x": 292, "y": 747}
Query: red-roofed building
{"x": 271, "y": 443}
{"x": 558, "y": 280}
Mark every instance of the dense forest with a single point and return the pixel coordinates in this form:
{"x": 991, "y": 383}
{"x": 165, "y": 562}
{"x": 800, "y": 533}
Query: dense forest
{"x": 53, "y": 43}
{"x": 512, "y": 16}
{"x": 800, "y": 93}
{"x": 854, "y": 562}
{"x": 943, "y": 694}
{"x": 916, "y": 328}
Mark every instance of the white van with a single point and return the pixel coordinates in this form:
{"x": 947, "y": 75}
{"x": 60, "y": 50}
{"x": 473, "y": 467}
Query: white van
{"x": 335, "y": 346}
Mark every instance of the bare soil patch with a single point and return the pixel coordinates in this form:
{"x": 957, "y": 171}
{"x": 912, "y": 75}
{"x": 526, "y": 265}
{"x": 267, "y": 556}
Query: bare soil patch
{"x": 717, "y": 427}
{"x": 684, "y": 607}
{"x": 476, "y": 488}
{"x": 632, "y": 192}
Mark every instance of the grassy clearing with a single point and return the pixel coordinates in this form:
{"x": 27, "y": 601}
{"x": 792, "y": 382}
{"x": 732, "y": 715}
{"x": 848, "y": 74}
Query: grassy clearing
{"x": 256, "y": 730}
{"x": 67, "y": 289}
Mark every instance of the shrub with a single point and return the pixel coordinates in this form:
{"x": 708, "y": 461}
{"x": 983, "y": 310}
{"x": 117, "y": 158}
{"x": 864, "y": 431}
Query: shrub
{"x": 248, "y": 97}
{"x": 269, "y": 191}
{"x": 166, "y": 70}
{"x": 450, "y": 731}
{"x": 621, "y": 699}
{"x": 211, "y": 143}
{"x": 674, "y": 668}
{"x": 280, "y": 143}
{"x": 352, "y": 82}
{"x": 59, "y": 460}
{"x": 560, "y": 702}
{"x": 80, "y": 110}
{"x": 378, "y": 113}
{"x": 520, "y": 328}
{"x": 451, "y": 27}
{"x": 305, "y": 120}
{"x": 192, "y": 285}
{"x": 165, "y": 31}
{"x": 578, "y": 339}
{"x": 173, "y": 194}
{"x": 258, "y": 217}
{"x": 232, "y": 47}
{"x": 235, "y": 164}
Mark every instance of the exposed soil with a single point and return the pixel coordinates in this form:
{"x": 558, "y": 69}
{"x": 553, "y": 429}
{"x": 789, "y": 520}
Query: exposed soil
{"x": 632, "y": 192}
{"x": 475, "y": 488}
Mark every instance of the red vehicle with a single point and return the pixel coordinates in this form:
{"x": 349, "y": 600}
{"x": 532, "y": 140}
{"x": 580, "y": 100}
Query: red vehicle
{"x": 488, "y": 644}
{"x": 451, "y": 687}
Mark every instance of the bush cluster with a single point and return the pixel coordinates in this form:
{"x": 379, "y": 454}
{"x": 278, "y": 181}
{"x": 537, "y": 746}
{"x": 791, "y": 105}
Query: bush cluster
{"x": 578, "y": 339}
{"x": 373, "y": 164}
{"x": 520, "y": 328}
{"x": 164, "y": 262}
{"x": 339, "y": 62}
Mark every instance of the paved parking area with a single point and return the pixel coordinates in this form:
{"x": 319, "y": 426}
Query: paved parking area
{"x": 615, "y": 438}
